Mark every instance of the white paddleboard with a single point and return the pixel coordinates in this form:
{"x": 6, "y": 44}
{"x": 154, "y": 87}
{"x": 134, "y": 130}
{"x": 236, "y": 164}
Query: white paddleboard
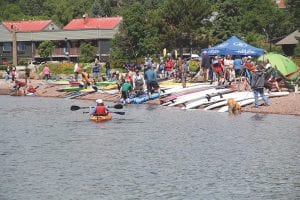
{"x": 193, "y": 96}
{"x": 251, "y": 100}
{"x": 238, "y": 96}
{"x": 180, "y": 89}
{"x": 214, "y": 100}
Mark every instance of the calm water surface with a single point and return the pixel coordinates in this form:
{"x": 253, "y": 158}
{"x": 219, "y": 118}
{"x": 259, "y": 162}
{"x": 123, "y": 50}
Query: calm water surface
{"x": 50, "y": 152}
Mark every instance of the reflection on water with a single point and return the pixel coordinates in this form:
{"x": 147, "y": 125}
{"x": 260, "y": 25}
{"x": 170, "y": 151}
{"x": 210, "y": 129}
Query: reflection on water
{"x": 259, "y": 117}
{"x": 152, "y": 152}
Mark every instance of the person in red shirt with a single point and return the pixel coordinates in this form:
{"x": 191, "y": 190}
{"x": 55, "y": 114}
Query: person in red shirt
{"x": 100, "y": 109}
{"x": 218, "y": 69}
{"x": 18, "y": 85}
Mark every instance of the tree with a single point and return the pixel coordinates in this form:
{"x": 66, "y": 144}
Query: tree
{"x": 87, "y": 52}
{"x": 183, "y": 21}
{"x": 294, "y": 11}
{"x": 137, "y": 36}
{"x": 102, "y": 8}
{"x": 249, "y": 17}
{"x": 46, "y": 49}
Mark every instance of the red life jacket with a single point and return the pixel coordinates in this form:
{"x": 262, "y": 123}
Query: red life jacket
{"x": 101, "y": 110}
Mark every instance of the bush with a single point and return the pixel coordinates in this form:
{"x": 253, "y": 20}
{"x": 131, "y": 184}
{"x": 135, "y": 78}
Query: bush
{"x": 59, "y": 68}
{"x": 23, "y": 61}
{"x": 3, "y": 67}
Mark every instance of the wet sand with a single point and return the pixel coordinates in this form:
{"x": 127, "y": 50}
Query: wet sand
{"x": 285, "y": 105}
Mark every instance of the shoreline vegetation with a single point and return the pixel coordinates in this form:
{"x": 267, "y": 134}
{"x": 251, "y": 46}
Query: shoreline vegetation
{"x": 285, "y": 105}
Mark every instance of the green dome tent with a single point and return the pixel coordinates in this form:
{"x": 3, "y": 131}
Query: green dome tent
{"x": 285, "y": 66}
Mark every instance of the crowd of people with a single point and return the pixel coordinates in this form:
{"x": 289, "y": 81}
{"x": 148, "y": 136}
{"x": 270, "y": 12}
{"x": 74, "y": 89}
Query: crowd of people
{"x": 228, "y": 69}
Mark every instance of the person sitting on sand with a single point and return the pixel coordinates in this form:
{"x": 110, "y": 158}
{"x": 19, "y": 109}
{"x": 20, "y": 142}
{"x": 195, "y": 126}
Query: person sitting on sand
{"x": 100, "y": 109}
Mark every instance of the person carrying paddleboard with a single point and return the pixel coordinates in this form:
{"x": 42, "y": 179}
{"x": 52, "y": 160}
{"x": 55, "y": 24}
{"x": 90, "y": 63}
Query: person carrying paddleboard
{"x": 85, "y": 78}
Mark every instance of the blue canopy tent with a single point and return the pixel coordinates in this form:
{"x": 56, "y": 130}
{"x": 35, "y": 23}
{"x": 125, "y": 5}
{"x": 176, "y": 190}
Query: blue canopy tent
{"x": 234, "y": 46}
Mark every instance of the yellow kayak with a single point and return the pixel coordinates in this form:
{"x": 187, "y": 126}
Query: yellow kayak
{"x": 101, "y": 118}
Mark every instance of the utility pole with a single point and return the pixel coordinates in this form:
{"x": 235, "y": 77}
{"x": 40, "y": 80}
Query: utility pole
{"x": 14, "y": 41}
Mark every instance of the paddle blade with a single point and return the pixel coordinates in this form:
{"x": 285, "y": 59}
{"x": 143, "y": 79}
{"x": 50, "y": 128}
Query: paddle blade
{"x": 73, "y": 108}
{"x": 118, "y": 106}
{"x": 119, "y": 113}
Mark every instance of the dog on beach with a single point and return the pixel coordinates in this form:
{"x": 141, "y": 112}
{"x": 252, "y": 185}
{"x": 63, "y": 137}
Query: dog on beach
{"x": 233, "y": 107}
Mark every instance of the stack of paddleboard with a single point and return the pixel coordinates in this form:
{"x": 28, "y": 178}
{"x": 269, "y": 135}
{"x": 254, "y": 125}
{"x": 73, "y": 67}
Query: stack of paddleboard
{"x": 209, "y": 98}
{"x": 247, "y": 101}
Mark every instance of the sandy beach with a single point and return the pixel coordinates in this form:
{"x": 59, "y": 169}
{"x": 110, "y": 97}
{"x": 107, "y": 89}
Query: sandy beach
{"x": 285, "y": 105}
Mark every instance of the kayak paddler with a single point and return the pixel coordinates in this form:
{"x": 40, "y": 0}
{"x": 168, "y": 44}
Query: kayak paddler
{"x": 100, "y": 109}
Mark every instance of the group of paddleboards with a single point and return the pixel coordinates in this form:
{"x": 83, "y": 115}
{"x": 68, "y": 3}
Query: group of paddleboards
{"x": 209, "y": 97}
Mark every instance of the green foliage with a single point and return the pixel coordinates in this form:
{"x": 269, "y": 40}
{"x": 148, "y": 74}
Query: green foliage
{"x": 294, "y": 12}
{"x": 151, "y": 25}
{"x": 23, "y": 61}
{"x": 87, "y": 52}
{"x": 297, "y": 50}
{"x": 59, "y": 68}
{"x": 46, "y": 48}
{"x": 3, "y": 67}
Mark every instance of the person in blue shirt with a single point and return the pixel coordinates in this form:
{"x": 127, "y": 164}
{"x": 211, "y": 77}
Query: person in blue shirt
{"x": 151, "y": 81}
{"x": 96, "y": 71}
{"x": 238, "y": 63}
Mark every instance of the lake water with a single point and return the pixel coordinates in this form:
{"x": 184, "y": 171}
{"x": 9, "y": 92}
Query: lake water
{"x": 152, "y": 152}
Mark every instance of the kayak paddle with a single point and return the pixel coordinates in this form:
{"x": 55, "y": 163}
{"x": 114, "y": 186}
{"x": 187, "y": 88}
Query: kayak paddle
{"x": 117, "y": 106}
{"x": 119, "y": 113}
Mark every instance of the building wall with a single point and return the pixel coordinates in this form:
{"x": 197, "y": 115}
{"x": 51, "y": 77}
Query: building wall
{"x": 58, "y": 37}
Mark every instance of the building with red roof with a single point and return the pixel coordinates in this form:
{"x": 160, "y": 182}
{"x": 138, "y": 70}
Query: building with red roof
{"x": 93, "y": 23}
{"x": 30, "y": 26}
{"x": 96, "y": 31}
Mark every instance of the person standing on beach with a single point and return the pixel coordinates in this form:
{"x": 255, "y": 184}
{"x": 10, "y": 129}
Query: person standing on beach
{"x": 205, "y": 64}
{"x": 257, "y": 84}
{"x": 13, "y": 73}
{"x": 46, "y": 72}
{"x": 27, "y": 73}
{"x": 151, "y": 81}
{"x": 76, "y": 71}
{"x": 107, "y": 70}
{"x": 96, "y": 71}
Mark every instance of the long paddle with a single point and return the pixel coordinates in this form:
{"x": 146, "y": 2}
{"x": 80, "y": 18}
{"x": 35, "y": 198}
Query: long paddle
{"x": 117, "y": 106}
{"x": 119, "y": 113}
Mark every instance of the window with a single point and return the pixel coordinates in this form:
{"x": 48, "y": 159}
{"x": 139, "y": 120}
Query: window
{"x": 21, "y": 46}
{"x": 6, "y": 47}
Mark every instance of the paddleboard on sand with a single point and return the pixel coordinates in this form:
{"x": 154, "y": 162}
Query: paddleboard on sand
{"x": 205, "y": 98}
{"x": 238, "y": 96}
{"x": 250, "y": 101}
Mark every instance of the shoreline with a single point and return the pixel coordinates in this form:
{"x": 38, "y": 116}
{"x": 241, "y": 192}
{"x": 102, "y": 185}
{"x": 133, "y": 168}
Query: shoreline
{"x": 285, "y": 105}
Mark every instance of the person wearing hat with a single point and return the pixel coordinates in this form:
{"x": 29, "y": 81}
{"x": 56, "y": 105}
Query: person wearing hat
{"x": 100, "y": 109}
